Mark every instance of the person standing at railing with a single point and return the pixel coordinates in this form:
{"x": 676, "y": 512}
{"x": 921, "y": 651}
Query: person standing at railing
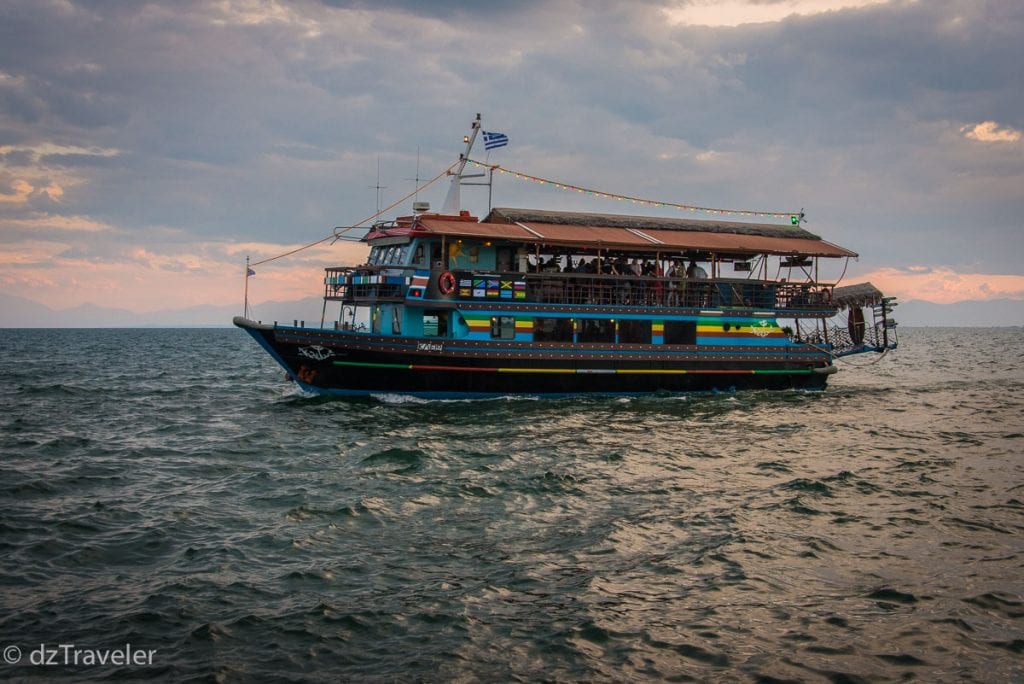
{"x": 675, "y": 283}
{"x": 697, "y": 292}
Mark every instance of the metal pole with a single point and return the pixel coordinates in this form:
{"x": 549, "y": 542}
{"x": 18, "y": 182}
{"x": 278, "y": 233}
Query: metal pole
{"x": 245, "y": 306}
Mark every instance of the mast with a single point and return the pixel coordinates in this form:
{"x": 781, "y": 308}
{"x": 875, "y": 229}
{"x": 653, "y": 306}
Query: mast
{"x": 453, "y": 201}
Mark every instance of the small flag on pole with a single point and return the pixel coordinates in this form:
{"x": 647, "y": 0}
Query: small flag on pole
{"x": 250, "y": 272}
{"x": 492, "y": 140}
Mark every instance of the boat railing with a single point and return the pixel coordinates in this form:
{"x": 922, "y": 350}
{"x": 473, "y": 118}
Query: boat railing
{"x": 368, "y": 282}
{"x": 858, "y": 335}
{"x": 653, "y": 291}
{"x": 384, "y": 283}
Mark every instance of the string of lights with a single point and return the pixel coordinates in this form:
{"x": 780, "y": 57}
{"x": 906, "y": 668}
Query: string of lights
{"x": 794, "y": 216}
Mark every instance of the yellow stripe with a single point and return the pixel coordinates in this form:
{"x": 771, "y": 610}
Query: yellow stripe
{"x": 647, "y": 371}
{"x": 717, "y": 329}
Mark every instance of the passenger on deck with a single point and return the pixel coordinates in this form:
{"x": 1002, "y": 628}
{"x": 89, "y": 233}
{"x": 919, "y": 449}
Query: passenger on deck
{"x": 674, "y": 276}
{"x": 695, "y": 271}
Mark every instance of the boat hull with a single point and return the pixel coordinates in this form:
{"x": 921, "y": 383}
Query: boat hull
{"x": 342, "y": 363}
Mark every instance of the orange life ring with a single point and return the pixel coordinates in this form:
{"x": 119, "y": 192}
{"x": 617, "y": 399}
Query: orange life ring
{"x": 446, "y": 283}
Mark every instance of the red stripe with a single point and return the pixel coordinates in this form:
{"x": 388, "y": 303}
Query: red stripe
{"x": 454, "y": 368}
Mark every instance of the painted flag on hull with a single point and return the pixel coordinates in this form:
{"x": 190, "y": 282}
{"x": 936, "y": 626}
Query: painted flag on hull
{"x": 493, "y": 140}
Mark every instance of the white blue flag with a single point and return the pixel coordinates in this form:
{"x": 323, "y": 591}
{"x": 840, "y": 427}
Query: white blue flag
{"x": 492, "y": 140}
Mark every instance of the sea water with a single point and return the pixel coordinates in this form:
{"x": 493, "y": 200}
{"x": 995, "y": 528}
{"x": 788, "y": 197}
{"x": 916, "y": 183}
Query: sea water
{"x": 167, "y": 492}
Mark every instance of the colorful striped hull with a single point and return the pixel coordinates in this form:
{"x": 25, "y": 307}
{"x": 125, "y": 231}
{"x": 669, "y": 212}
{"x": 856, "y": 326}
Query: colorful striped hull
{"x": 353, "y": 364}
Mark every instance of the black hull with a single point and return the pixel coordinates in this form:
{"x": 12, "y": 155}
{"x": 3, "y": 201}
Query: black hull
{"x": 347, "y": 364}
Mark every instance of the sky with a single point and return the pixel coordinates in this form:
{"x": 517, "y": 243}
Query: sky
{"x": 148, "y": 148}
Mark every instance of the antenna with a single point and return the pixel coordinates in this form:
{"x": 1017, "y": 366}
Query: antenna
{"x": 378, "y": 186}
{"x": 417, "y": 178}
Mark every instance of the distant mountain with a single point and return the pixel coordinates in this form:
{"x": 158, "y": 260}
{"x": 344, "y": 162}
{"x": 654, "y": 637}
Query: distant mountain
{"x": 977, "y": 314}
{"x": 18, "y": 312}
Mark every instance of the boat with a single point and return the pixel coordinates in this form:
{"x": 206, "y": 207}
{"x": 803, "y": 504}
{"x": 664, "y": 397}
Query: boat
{"x": 562, "y": 303}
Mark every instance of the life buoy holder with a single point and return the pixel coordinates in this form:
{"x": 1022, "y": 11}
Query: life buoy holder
{"x": 446, "y": 283}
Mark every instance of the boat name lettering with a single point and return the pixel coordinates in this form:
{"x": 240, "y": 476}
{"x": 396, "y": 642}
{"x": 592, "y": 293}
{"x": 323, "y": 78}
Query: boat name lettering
{"x": 316, "y": 352}
{"x": 429, "y": 346}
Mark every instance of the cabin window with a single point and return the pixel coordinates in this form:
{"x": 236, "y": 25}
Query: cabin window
{"x": 552, "y": 329}
{"x": 680, "y": 332}
{"x": 503, "y": 327}
{"x": 635, "y": 331}
{"x": 397, "y": 257}
{"x": 396, "y": 321}
{"x": 596, "y": 330}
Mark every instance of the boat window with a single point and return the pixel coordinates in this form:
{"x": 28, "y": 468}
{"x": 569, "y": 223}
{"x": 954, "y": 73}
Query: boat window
{"x": 635, "y": 331}
{"x": 374, "y": 257}
{"x": 680, "y": 332}
{"x": 503, "y": 327}
{"x": 396, "y": 321}
{"x": 552, "y": 329}
{"x": 596, "y": 330}
{"x": 396, "y": 255}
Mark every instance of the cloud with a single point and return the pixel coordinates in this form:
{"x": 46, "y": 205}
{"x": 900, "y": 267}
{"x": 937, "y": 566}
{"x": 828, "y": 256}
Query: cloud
{"x": 174, "y": 127}
{"x": 38, "y": 151}
{"x": 147, "y": 277}
{"x": 39, "y": 223}
{"x": 18, "y": 191}
{"x": 946, "y": 286}
{"x": 990, "y": 131}
{"x": 738, "y": 12}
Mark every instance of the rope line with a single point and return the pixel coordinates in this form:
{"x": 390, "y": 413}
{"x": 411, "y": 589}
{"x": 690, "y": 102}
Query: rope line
{"x": 639, "y": 200}
{"x": 337, "y": 235}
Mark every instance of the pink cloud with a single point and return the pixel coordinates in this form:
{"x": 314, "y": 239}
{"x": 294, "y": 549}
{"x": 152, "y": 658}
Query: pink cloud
{"x": 143, "y": 279}
{"x": 944, "y": 285}
{"x": 990, "y": 131}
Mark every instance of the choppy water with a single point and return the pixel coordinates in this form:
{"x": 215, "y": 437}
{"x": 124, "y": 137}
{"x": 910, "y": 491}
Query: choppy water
{"x": 166, "y": 489}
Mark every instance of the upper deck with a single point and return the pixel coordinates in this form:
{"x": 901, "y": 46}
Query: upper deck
{"x": 469, "y": 289}
{"x": 617, "y": 233}
{"x": 519, "y": 258}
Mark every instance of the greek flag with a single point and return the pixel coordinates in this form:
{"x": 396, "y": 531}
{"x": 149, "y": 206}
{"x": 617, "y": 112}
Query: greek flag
{"x": 492, "y": 140}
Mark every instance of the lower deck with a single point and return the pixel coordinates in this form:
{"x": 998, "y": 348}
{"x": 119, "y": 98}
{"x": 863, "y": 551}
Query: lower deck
{"x": 482, "y": 354}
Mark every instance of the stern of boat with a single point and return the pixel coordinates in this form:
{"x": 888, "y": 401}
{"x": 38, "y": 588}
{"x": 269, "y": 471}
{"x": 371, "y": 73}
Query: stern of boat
{"x": 864, "y": 321}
